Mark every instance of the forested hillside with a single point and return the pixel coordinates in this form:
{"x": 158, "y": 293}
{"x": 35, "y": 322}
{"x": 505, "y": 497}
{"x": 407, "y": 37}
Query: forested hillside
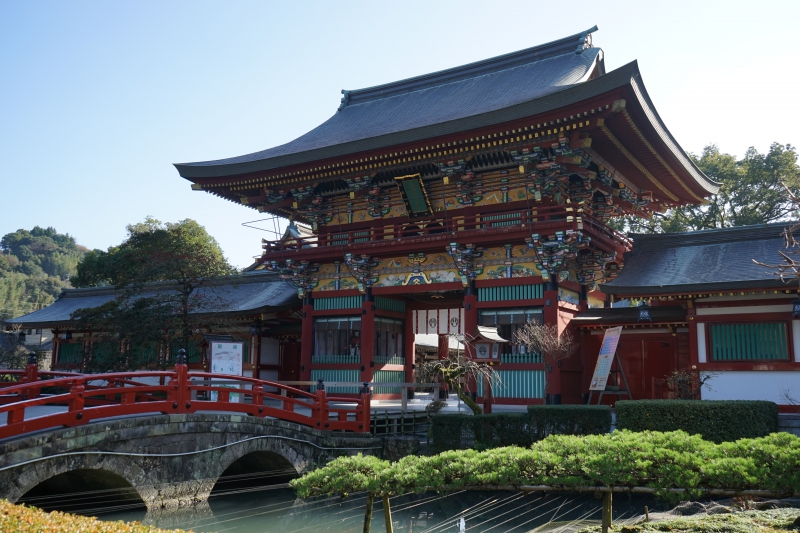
{"x": 34, "y": 266}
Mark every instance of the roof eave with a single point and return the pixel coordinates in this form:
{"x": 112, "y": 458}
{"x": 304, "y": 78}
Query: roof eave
{"x": 609, "y": 82}
{"x": 625, "y": 77}
{"x": 638, "y": 88}
{"x": 694, "y": 288}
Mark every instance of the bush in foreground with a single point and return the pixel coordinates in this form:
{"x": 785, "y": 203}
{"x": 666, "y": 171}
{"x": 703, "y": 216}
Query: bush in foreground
{"x": 657, "y": 461}
{"x": 22, "y": 519}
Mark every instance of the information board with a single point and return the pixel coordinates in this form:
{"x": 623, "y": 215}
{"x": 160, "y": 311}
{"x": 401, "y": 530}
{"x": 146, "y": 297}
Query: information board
{"x": 606, "y": 357}
{"x": 226, "y": 358}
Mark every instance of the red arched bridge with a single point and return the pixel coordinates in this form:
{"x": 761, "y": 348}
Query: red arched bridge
{"x": 49, "y": 400}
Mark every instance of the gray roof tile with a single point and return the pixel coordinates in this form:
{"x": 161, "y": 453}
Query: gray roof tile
{"x": 245, "y": 294}
{"x": 440, "y": 97}
{"x": 708, "y": 260}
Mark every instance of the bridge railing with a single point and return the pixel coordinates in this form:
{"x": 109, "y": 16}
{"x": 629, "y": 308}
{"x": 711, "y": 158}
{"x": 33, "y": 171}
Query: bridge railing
{"x": 81, "y": 398}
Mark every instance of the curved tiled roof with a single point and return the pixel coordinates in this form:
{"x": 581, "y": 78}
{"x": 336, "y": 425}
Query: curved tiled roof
{"x": 445, "y": 96}
{"x": 240, "y": 295}
{"x": 700, "y": 261}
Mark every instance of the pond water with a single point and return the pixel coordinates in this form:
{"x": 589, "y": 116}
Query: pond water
{"x": 277, "y": 510}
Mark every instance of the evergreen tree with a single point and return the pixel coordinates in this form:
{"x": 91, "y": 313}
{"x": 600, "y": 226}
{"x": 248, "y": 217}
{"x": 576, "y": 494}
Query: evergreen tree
{"x": 34, "y": 266}
{"x": 751, "y": 192}
{"x": 187, "y": 262}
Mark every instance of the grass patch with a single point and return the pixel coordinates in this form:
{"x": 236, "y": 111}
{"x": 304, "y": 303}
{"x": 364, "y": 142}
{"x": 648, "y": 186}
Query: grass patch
{"x": 23, "y": 519}
{"x": 771, "y": 521}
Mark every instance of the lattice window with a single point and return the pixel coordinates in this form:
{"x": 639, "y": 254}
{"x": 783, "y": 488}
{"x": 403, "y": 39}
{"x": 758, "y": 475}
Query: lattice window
{"x": 749, "y": 342}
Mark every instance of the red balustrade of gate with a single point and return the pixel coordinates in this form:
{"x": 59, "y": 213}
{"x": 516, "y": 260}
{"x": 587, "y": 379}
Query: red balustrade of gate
{"x": 82, "y": 398}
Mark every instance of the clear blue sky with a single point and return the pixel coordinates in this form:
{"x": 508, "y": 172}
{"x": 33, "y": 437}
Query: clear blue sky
{"x": 98, "y": 99}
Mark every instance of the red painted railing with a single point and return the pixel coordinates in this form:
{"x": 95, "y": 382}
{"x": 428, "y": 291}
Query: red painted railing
{"x": 535, "y": 219}
{"x": 89, "y": 397}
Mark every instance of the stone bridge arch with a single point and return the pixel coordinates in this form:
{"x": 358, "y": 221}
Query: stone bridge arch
{"x": 81, "y": 489}
{"x": 33, "y": 475}
{"x": 171, "y": 460}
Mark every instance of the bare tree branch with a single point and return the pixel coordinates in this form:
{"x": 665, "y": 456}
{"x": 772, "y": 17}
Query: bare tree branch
{"x": 545, "y": 339}
{"x": 789, "y": 269}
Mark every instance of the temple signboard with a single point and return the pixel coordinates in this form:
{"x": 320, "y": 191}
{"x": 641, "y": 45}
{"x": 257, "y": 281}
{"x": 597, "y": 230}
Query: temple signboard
{"x": 226, "y": 358}
{"x": 605, "y": 358}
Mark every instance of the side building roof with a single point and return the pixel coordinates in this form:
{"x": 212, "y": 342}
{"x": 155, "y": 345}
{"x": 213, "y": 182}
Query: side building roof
{"x": 715, "y": 260}
{"x": 255, "y": 292}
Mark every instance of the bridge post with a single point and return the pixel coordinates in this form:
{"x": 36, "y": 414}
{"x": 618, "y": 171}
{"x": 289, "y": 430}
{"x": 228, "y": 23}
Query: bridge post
{"x": 181, "y": 382}
{"x": 365, "y": 408}
{"x": 31, "y": 375}
{"x": 258, "y": 399}
{"x": 76, "y": 402}
{"x": 323, "y": 404}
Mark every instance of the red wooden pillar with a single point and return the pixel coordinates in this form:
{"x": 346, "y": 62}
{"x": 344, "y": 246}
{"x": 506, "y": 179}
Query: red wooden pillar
{"x": 553, "y": 377}
{"x": 694, "y": 352}
{"x": 364, "y": 414}
{"x": 470, "y": 331}
{"x": 307, "y": 342}
{"x": 367, "y": 335}
{"x": 470, "y": 318}
{"x": 444, "y": 346}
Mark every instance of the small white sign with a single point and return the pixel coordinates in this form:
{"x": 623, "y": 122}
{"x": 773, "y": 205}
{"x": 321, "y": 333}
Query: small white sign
{"x": 226, "y": 358}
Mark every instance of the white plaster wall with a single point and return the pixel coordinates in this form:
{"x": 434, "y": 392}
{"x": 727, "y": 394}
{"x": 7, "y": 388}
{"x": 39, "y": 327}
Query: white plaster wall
{"x": 752, "y": 385}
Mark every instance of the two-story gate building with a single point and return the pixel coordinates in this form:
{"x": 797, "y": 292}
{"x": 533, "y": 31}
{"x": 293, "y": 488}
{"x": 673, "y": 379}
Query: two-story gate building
{"x": 478, "y": 195}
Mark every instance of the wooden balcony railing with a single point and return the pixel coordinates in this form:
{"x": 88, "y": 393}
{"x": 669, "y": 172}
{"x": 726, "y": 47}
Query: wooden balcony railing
{"x": 533, "y": 220}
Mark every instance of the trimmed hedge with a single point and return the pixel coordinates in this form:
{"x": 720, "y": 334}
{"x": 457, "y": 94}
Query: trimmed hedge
{"x": 456, "y": 432}
{"x": 482, "y": 432}
{"x": 569, "y": 420}
{"x": 716, "y": 420}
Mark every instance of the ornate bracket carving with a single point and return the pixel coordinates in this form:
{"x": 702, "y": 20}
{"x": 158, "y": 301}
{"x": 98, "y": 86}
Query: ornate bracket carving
{"x": 556, "y": 253}
{"x": 378, "y": 202}
{"x": 317, "y": 212}
{"x": 469, "y": 189}
{"x": 298, "y": 273}
{"x": 465, "y": 259}
{"x": 361, "y": 267}
{"x": 273, "y": 196}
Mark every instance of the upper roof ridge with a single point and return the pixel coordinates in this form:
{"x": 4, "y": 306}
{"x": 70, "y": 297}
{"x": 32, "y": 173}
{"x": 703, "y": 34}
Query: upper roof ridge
{"x": 573, "y": 44}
